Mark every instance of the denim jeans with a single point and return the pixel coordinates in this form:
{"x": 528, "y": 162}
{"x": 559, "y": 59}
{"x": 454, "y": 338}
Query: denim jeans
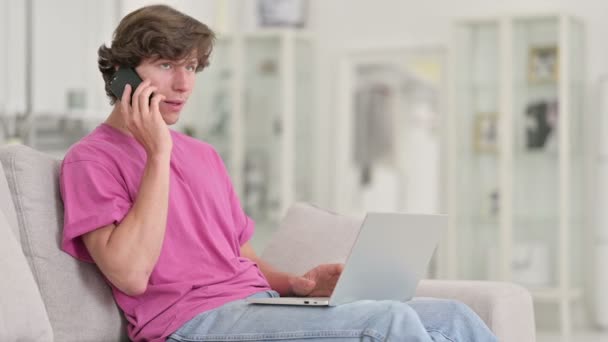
{"x": 416, "y": 320}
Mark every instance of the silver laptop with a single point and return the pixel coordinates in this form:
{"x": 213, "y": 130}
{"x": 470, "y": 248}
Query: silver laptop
{"x": 389, "y": 257}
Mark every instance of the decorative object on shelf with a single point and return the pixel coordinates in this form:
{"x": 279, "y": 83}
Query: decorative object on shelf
{"x": 256, "y": 178}
{"x": 543, "y": 64}
{"x": 390, "y": 100}
{"x": 541, "y": 123}
{"x": 220, "y": 105}
{"x": 374, "y": 118}
{"x": 284, "y": 13}
{"x": 14, "y": 128}
{"x": 76, "y": 99}
{"x": 485, "y": 137}
{"x": 494, "y": 203}
{"x": 268, "y": 67}
{"x": 530, "y": 264}
{"x": 490, "y": 206}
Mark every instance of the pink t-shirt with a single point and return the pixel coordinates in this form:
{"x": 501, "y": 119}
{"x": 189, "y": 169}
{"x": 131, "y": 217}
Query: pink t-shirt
{"x": 200, "y": 266}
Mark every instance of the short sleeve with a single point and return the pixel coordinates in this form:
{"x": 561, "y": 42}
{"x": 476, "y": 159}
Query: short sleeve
{"x": 243, "y": 223}
{"x": 93, "y": 197}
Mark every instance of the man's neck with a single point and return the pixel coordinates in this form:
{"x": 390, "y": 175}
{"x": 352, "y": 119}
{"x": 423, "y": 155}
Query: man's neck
{"x": 117, "y": 121}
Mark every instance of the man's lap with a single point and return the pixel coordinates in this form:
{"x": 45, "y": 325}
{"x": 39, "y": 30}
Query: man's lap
{"x": 361, "y": 320}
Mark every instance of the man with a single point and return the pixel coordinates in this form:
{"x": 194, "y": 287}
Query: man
{"x": 156, "y": 212}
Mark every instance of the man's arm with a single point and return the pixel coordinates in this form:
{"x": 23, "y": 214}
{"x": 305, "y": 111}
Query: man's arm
{"x": 126, "y": 254}
{"x": 279, "y": 281}
{"x": 318, "y": 282}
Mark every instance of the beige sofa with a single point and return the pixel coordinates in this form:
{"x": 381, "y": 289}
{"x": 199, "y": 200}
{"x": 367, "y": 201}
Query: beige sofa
{"x": 46, "y": 295}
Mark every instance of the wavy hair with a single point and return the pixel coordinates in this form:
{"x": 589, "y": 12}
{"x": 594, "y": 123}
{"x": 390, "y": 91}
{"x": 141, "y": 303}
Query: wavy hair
{"x": 157, "y": 32}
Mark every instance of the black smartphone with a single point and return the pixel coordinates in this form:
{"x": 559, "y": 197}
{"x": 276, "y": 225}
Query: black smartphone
{"x": 122, "y": 77}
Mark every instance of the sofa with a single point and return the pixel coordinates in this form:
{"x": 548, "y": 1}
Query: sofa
{"x": 46, "y": 295}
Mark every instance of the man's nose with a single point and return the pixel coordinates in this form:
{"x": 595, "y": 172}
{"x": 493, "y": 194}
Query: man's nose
{"x": 181, "y": 81}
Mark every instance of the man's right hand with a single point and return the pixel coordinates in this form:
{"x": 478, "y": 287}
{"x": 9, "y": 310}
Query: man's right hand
{"x": 144, "y": 120}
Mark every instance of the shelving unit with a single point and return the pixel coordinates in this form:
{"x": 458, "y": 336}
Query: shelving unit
{"x": 516, "y": 177}
{"x": 255, "y": 103}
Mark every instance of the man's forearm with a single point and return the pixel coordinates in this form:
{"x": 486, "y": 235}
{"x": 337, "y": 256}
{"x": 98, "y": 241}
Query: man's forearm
{"x": 278, "y": 281}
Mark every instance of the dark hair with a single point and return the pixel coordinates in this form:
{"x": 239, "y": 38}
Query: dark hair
{"x": 157, "y": 31}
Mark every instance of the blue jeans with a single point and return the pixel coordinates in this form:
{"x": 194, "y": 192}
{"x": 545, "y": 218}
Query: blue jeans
{"x": 417, "y": 320}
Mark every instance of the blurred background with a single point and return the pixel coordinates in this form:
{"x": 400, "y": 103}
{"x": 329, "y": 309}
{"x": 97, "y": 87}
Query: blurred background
{"x": 491, "y": 112}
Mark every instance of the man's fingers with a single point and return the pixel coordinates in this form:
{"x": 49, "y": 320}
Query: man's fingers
{"x": 136, "y": 103}
{"x": 306, "y": 286}
{"x": 333, "y": 269}
{"x": 338, "y": 268}
{"x": 154, "y": 105}
{"x": 144, "y": 98}
{"x": 302, "y": 286}
{"x": 124, "y": 101}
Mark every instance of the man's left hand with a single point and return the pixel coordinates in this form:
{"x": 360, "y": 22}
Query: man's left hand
{"x": 318, "y": 282}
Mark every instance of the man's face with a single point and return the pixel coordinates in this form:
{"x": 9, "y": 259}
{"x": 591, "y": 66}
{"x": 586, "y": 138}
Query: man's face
{"x": 174, "y": 79}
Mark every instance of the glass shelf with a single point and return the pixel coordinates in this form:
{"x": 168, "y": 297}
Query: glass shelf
{"x": 211, "y": 111}
{"x": 262, "y": 122}
{"x": 519, "y": 190}
{"x": 256, "y": 107}
{"x": 476, "y": 99}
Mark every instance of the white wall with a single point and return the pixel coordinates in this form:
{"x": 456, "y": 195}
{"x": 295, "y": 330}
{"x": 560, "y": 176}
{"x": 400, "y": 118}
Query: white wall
{"x": 65, "y": 51}
{"x": 66, "y": 35}
{"x": 203, "y": 10}
{"x": 12, "y": 66}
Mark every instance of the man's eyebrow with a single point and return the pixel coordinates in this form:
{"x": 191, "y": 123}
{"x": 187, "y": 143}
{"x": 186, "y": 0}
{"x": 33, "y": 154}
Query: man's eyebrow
{"x": 177, "y": 61}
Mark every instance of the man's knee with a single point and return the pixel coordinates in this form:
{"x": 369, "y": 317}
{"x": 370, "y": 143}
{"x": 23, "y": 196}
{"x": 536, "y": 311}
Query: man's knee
{"x": 402, "y": 323}
{"x": 460, "y": 312}
{"x": 451, "y": 317}
{"x": 395, "y": 309}
{"x": 445, "y": 308}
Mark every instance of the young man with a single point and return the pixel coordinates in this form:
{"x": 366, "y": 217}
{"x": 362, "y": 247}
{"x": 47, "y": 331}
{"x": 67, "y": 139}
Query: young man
{"x": 156, "y": 212}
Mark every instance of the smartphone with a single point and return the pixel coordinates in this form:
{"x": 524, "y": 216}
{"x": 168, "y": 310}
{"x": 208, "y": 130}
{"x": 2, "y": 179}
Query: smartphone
{"x": 122, "y": 77}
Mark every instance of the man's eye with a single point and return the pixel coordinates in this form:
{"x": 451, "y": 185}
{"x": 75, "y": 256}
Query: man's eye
{"x": 191, "y": 68}
{"x": 165, "y": 66}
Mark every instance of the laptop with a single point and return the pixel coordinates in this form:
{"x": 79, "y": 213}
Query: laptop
{"x": 389, "y": 257}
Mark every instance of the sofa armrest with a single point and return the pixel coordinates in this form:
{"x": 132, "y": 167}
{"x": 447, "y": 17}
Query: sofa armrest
{"x": 506, "y": 308}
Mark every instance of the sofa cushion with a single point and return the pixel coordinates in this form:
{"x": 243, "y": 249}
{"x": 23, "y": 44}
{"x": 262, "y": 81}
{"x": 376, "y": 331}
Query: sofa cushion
{"x": 78, "y": 301}
{"x": 302, "y": 240}
{"x": 22, "y": 313}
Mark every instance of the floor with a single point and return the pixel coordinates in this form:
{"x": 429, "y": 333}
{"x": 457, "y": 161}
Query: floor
{"x": 576, "y": 337}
